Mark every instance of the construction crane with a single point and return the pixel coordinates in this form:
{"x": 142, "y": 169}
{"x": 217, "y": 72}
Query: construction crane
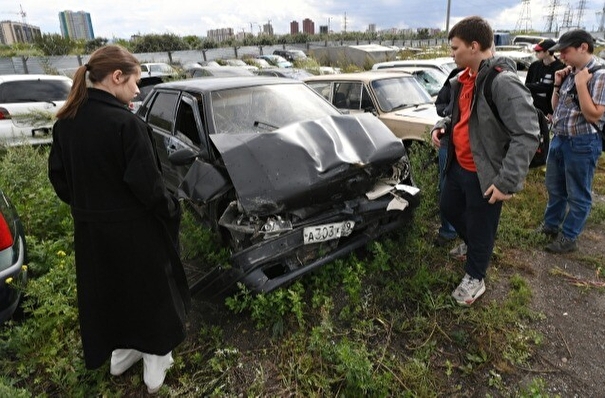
{"x": 20, "y": 12}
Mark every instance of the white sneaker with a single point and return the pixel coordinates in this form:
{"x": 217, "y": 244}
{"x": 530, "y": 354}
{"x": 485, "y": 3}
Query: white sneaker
{"x": 154, "y": 370}
{"x": 468, "y": 290}
{"x": 459, "y": 251}
{"x": 122, "y": 360}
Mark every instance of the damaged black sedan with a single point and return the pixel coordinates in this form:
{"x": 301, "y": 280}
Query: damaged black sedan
{"x": 286, "y": 180}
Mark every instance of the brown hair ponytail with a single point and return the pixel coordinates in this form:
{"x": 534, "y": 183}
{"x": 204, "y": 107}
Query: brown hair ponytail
{"x": 102, "y": 62}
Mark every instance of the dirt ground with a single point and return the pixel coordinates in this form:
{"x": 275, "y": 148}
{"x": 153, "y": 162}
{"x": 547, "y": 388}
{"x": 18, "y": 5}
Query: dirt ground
{"x": 571, "y": 357}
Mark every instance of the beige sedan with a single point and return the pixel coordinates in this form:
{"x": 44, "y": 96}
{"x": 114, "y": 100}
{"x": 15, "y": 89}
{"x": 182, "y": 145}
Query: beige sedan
{"x": 398, "y": 100}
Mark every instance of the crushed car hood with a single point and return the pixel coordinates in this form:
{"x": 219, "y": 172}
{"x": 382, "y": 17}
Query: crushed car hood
{"x": 307, "y": 163}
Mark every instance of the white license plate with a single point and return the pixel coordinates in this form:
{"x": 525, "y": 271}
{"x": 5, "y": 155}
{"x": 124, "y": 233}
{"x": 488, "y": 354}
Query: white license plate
{"x": 325, "y": 232}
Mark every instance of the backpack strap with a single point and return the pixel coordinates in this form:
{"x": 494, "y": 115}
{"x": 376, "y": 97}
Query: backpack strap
{"x": 487, "y": 89}
{"x": 574, "y": 96}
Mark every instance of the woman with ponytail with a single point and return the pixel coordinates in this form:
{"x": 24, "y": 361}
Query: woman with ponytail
{"x": 132, "y": 290}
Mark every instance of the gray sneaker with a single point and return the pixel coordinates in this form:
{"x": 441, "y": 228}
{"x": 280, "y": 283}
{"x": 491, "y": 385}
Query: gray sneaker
{"x": 468, "y": 290}
{"x": 459, "y": 251}
{"x": 562, "y": 245}
{"x": 548, "y": 231}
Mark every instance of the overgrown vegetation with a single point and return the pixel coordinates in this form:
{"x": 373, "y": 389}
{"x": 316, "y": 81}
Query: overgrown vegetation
{"x": 377, "y": 323}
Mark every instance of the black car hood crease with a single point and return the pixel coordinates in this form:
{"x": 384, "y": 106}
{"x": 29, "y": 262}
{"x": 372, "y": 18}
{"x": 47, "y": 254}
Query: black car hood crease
{"x": 307, "y": 163}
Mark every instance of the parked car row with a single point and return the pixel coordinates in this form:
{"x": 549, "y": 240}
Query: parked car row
{"x": 289, "y": 173}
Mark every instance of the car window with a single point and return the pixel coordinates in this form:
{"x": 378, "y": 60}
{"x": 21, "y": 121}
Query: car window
{"x": 322, "y": 88}
{"x": 399, "y": 92}
{"x": 161, "y": 113}
{"x": 347, "y": 95}
{"x": 34, "y": 91}
{"x": 266, "y": 108}
{"x": 431, "y": 80}
{"x": 186, "y": 128}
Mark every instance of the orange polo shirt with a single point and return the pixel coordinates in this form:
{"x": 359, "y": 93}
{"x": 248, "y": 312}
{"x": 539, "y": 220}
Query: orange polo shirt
{"x": 460, "y": 137}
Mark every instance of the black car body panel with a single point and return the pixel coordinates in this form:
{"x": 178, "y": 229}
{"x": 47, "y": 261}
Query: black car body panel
{"x": 289, "y": 189}
{"x": 333, "y": 156}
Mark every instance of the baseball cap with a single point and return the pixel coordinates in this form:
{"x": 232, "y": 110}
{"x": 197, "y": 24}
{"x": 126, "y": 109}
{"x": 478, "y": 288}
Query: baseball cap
{"x": 544, "y": 45}
{"x": 573, "y": 38}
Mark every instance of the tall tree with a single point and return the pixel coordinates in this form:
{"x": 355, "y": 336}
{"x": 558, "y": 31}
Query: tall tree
{"x": 54, "y": 44}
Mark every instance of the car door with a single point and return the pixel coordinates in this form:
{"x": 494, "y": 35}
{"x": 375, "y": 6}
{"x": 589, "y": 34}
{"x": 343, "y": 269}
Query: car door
{"x": 161, "y": 116}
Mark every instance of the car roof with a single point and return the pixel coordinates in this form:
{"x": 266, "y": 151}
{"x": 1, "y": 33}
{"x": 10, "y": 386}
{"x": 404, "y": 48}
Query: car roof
{"x": 12, "y": 78}
{"x": 220, "y": 83}
{"x": 366, "y": 76}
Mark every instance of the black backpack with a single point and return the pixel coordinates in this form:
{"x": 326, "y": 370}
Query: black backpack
{"x": 574, "y": 95}
{"x": 539, "y": 158}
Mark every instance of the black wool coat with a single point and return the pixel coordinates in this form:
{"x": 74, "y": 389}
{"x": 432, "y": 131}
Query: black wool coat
{"x": 132, "y": 290}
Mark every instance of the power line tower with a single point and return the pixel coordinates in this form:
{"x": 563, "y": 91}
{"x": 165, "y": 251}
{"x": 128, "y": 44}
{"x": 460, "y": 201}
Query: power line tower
{"x": 580, "y": 13}
{"x": 551, "y": 16}
{"x": 567, "y": 18}
{"x": 602, "y": 21}
{"x": 524, "y": 22}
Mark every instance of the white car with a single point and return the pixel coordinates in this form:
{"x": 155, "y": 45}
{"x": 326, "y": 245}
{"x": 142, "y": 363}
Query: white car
{"x": 28, "y": 104}
{"x": 157, "y": 69}
{"x": 241, "y": 64}
{"x": 445, "y": 64}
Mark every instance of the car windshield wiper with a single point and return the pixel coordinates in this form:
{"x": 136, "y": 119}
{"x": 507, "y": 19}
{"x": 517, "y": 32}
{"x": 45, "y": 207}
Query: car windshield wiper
{"x": 403, "y": 106}
{"x": 264, "y": 125}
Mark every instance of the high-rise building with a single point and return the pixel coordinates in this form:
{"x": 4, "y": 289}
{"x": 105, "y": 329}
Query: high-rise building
{"x": 268, "y": 29}
{"x": 16, "y": 32}
{"x": 219, "y": 35}
{"x": 76, "y": 25}
{"x": 308, "y": 26}
{"x": 294, "y": 29}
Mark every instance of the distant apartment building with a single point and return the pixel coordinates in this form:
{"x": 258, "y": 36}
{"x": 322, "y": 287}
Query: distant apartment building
{"x": 308, "y": 26}
{"x": 268, "y": 29}
{"x": 16, "y": 32}
{"x": 294, "y": 28}
{"x": 76, "y": 25}
{"x": 323, "y": 29}
{"x": 220, "y": 35}
{"x": 372, "y": 28}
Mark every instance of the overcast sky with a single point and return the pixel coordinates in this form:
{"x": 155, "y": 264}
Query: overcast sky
{"x": 121, "y": 19}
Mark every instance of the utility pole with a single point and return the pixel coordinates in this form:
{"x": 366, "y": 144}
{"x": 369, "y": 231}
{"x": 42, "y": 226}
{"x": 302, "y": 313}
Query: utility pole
{"x": 447, "y": 18}
{"x": 345, "y": 22}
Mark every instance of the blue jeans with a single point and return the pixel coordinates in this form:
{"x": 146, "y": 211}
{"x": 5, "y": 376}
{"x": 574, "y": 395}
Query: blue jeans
{"x": 446, "y": 229}
{"x": 570, "y": 169}
{"x": 475, "y": 220}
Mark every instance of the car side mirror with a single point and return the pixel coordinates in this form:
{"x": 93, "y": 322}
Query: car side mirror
{"x": 183, "y": 157}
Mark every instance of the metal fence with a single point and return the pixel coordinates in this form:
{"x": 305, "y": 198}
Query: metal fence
{"x": 68, "y": 63}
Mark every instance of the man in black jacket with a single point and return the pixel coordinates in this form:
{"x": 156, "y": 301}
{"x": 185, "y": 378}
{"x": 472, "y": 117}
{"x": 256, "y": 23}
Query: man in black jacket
{"x": 541, "y": 76}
